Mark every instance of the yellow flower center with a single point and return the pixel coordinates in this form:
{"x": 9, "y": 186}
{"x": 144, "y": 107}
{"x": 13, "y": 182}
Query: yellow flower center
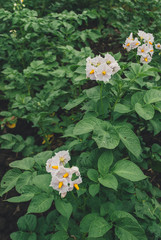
{"x": 128, "y": 44}
{"x": 76, "y": 186}
{"x": 151, "y": 50}
{"x": 145, "y": 59}
{"x": 60, "y": 184}
{"x": 150, "y": 42}
{"x": 66, "y": 175}
{"x": 137, "y": 44}
{"x": 92, "y": 71}
{"x": 55, "y": 167}
{"x": 142, "y": 50}
{"x": 108, "y": 62}
{"x": 104, "y": 72}
{"x": 61, "y": 159}
{"x": 158, "y": 45}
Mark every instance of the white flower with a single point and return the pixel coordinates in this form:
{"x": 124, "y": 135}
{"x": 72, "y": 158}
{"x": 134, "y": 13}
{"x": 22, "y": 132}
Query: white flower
{"x": 115, "y": 67}
{"x": 109, "y": 59}
{"x": 91, "y": 72}
{"x": 75, "y": 170}
{"x": 142, "y": 34}
{"x": 75, "y": 183}
{"x": 63, "y": 194}
{"x": 145, "y": 59}
{"x": 52, "y": 165}
{"x": 130, "y": 36}
{"x": 127, "y": 44}
{"x": 151, "y": 50}
{"x": 62, "y": 177}
{"x": 89, "y": 60}
{"x": 143, "y": 50}
{"x": 135, "y": 43}
{"x": 59, "y": 184}
{"x": 63, "y": 157}
{"x": 97, "y": 61}
{"x": 64, "y": 173}
{"x": 103, "y": 73}
{"x": 149, "y": 38}
{"x": 158, "y": 46}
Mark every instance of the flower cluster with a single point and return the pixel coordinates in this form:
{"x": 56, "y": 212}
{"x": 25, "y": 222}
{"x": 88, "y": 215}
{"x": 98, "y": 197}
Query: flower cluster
{"x": 18, "y": 6}
{"x": 61, "y": 176}
{"x": 144, "y": 46}
{"x": 100, "y": 68}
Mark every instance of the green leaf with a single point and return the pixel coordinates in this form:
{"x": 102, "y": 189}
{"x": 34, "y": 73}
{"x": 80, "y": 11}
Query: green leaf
{"x": 146, "y": 111}
{"x": 94, "y": 189}
{"x": 64, "y": 208}
{"x": 105, "y": 161}
{"x": 40, "y": 203}
{"x": 27, "y": 223}
{"x": 43, "y": 181}
{"x": 22, "y": 198}
{"x": 30, "y": 189}
{"x": 93, "y": 93}
{"x": 60, "y": 235}
{"x": 152, "y": 96}
{"x": 99, "y": 227}
{"x": 156, "y": 125}
{"x": 130, "y": 140}
{"x": 109, "y": 181}
{"x": 137, "y": 98}
{"x": 41, "y": 158}
{"x": 25, "y": 164}
{"x": 127, "y": 229}
{"x": 92, "y": 175}
{"x": 81, "y": 191}
{"x": 105, "y": 136}
{"x": 9, "y": 179}
{"x": 86, "y": 125}
{"x": 120, "y": 108}
{"x": 62, "y": 223}
{"x": 116, "y": 215}
{"x": 24, "y": 179}
{"x": 74, "y": 102}
{"x": 86, "y": 221}
{"x": 128, "y": 170}
{"x": 23, "y": 235}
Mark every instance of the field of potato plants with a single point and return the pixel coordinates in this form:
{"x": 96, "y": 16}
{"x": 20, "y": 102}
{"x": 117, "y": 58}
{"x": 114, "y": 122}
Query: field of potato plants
{"x": 80, "y": 120}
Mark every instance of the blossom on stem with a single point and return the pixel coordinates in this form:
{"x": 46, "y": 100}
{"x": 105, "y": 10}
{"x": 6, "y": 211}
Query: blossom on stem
{"x": 158, "y": 46}
{"x": 146, "y": 58}
{"x": 135, "y": 43}
{"x": 59, "y": 184}
{"x": 91, "y": 72}
{"x": 75, "y": 183}
{"x": 127, "y": 45}
{"x": 63, "y": 157}
{"x": 103, "y": 73}
{"x": 142, "y": 50}
{"x": 62, "y": 177}
{"x": 52, "y": 165}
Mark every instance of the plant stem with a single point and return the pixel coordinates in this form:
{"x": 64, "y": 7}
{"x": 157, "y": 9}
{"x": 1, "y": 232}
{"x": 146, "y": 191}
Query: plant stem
{"x": 101, "y": 89}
